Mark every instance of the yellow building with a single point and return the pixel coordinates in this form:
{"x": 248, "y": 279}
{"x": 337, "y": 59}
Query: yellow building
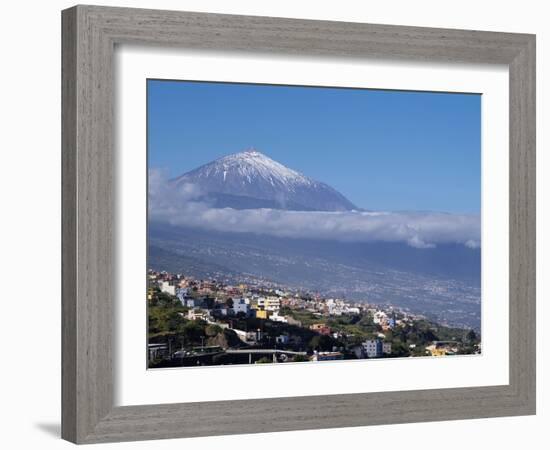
{"x": 442, "y": 348}
{"x": 270, "y": 303}
{"x": 435, "y": 351}
{"x": 261, "y": 314}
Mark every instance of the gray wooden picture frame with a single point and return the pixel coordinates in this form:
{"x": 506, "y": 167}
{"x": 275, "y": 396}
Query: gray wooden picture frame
{"x": 90, "y": 34}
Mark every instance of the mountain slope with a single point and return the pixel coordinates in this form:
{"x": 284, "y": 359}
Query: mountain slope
{"x": 250, "y": 179}
{"x": 425, "y": 282}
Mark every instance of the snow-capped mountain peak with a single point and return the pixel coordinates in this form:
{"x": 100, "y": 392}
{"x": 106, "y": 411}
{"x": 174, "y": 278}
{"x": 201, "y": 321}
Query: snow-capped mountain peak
{"x": 251, "y": 179}
{"x": 251, "y": 164}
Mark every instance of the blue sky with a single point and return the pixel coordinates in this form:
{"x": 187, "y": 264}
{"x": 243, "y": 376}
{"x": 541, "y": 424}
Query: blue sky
{"x": 384, "y": 150}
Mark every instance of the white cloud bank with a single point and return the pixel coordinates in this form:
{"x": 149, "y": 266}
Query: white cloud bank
{"x": 185, "y": 206}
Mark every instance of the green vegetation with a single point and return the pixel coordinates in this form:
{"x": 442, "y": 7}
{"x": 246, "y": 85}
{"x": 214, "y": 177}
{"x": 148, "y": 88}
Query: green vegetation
{"x": 322, "y": 343}
{"x": 356, "y": 328}
{"x": 168, "y": 325}
{"x": 264, "y": 360}
{"x": 305, "y": 317}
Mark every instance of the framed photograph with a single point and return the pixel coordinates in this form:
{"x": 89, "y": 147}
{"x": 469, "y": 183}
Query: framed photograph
{"x": 316, "y": 224}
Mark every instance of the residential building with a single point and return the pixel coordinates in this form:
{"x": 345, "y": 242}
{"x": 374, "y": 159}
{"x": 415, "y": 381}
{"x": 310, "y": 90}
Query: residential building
{"x": 182, "y": 294}
{"x": 197, "y": 314}
{"x": 379, "y": 317}
{"x": 392, "y": 321}
{"x": 270, "y": 303}
{"x": 275, "y": 317}
{"x": 248, "y": 337}
{"x": 184, "y": 283}
{"x": 168, "y": 288}
{"x": 320, "y": 328}
{"x": 442, "y": 348}
{"x": 240, "y": 305}
{"x": 191, "y": 302}
{"x": 221, "y": 311}
{"x": 374, "y": 348}
{"x": 261, "y": 314}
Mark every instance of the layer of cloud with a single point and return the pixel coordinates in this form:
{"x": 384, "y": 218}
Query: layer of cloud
{"x": 185, "y": 205}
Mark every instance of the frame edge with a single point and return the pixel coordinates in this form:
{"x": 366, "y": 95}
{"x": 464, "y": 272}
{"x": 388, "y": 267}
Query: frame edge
{"x": 68, "y": 223}
{"x": 89, "y": 34}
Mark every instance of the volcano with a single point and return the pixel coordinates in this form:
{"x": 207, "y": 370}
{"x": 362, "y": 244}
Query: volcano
{"x": 250, "y": 179}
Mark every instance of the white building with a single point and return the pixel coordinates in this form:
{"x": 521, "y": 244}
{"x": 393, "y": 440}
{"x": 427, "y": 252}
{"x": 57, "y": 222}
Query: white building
{"x": 270, "y": 303}
{"x": 197, "y": 314}
{"x": 275, "y": 317}
{"x": 248, "y": 337}
{"x": 379, "y": 317}
{"x": 165, "y": 286}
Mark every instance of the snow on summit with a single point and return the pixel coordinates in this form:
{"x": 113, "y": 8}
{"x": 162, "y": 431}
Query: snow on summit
{"x": 250, "y": 179}
{"x": 251, "y": 165}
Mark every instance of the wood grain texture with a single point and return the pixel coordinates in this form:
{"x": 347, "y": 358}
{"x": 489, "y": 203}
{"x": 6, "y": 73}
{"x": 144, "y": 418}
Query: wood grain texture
{"x": 68, "y": 225}
{"x": 88, "y": 210}
{"x": 89, "y": 36}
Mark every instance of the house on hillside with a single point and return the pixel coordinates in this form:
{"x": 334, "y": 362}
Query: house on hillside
{"x": 374, "y": 348}
{"x": 320, "y": 328}
{"x": 240, "y": 305}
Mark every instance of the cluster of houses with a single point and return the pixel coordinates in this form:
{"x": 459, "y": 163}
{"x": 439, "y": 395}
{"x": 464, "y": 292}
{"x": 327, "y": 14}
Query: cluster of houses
{"x": 205, "y": 296}
{"x": 329, "y": 307}
{"x": 208, "y": 300}
{"x": 255, "y": 306}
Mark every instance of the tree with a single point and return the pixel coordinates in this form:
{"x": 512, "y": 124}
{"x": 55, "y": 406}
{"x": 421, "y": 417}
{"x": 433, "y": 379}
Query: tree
{"x": 471, "y": 336}
{"x": 193, "y": 331}
{"x": 175, "y": 322}
{"x": 419, "y": 350}
{"x": 321, "y": 343}
{"x": 163, "y": 299}
{"x": 213, "y": 330}
{"x": 398, "y": 349}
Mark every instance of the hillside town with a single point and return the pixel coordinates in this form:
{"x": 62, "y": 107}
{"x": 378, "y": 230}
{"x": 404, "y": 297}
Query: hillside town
{"x": 196, "y": 322}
